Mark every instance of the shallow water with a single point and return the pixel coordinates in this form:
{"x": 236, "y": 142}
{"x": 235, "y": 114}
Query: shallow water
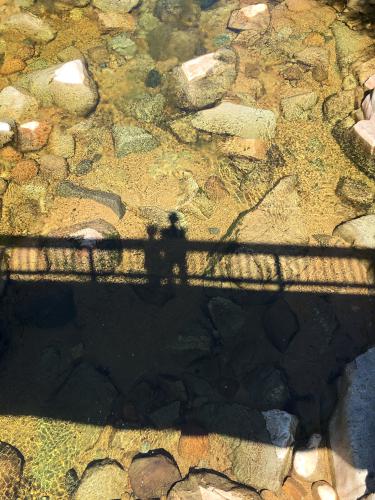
{"x": 86, "y": 339}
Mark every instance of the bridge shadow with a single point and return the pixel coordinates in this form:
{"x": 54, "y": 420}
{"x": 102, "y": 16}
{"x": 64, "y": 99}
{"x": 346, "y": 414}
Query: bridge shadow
{"x": 99, "y": 332}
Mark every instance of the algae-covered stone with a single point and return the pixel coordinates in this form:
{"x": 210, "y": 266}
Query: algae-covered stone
{"x": 29, "y": 25}
{"x": 145, "y": 107}
{"x": 123, "y": 45}
{"x": 130, "y": 139}
{"x": 102, "y": 480}
{"x": 299, "y": 107}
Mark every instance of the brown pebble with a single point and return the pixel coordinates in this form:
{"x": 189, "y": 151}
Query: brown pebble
{"x": 319, "y": 74}
{"x": 10, "y": 154}
{"x": 24, "y": 171}
{"x": 33, "y": 136}
{"x": 12, "y": 65}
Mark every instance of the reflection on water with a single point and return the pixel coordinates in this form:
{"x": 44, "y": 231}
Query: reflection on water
{"x": 188, "y": 221}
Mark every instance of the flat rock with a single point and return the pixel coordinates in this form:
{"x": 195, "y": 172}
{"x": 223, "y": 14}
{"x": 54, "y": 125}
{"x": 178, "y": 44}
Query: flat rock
{"x": 102, "y": 480}
{"x": 358, "y": 232}
{"x": 352, "y": 429}
{"x": 204, "y": 80}
{"x": 68, "y": 86}
{"x": 111, "y": 200}
{"x": 29, "y": 25}
{"x": 255, "y": 18}
{"x": 237, "y": 120}
{"x": 210, "y": 486}
{"x": 151, "y": 476}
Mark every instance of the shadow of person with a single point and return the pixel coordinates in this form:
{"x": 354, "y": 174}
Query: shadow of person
{"x": 174, "y": 252}
{"x": 152, "y": 258}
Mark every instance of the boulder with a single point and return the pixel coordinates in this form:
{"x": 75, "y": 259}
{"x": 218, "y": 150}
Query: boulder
{"x": 237, "y": 120}
{"x": 102, "y": 480}
{"x": 210, "y": 486}
{"x": 358, "y": 232}
{"x": 151, "y": 476}
{"x": 352, "y": 429}
{"x": 68, "y": 86}
{"x": 204, "y": 80}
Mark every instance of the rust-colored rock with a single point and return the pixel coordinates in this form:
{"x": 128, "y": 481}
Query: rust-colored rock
{"x": 10, "y": 154}
{"x": 24, "y": 171}
{"x": 33, "y": 136}
{"x": 12, "y": 65}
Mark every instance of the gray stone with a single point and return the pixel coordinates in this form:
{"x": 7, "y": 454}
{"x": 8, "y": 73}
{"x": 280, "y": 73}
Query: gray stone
{"x": 299, "y": 107}
{"x": 204, "y": 80}
{"x": 237, "y": 120}
{"x": 210, "y": 486}
{"x": 144, "y": 107}
{"x": 129, "y": 139}
{"x": 358, "y": 232}
{"x": 102, "y": 480}
{"x": 352, "y": 429}
{"x": 111, "y": 200}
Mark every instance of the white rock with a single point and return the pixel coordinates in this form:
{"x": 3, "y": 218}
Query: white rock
{"x": 352, "y": 428}
{"x": 238, "y": 120}
{"x": 305, "y": 461}
{"x": 68, "y": 86}
{"x": 29, "y": 25}
{"x": 17, "y": 104}
{"x": 323, "y": 491}
{"x": 252, "y": 17}
{"x": 358, "y": 232}
{"x": 370, "y": 83}
{"x": 6, "y": 132}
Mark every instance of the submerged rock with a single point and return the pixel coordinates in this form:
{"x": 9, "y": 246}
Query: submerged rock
{"x": 151, "y": 476}
{"x": 7, "y": 131}
{"x": 299, "y": 107}
{"x": 210, "y": 486}
{"x": 111, "y": 200}
{"x": 29, "y": 25}
{"x": 358, "y": 232}
{"x": 120, "y": 6}
{"x": 355, "y": 193}
{"x": 204, "y": 80}
{"x": 352, "y": 429}
{"x": 237, "y": 120}
{"x": 255, "y": 18}
{"x": 68, "y": 86}
{"x": 129, "y": 139}
{"x": 11, "y": 470}
{"x": 102, "y": 479}
{"x": 17, "y": 104}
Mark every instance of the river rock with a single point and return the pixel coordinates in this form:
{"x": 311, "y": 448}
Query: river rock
{"x": 364, "y": 135}
{"x": 130, "y": 139}
{"x": 299, "y": 107}
{"x": 355, "y": 193}
{"x": 31, "y": 26}
{"x": 119, "y": 6}
{"x": 352, "y": 429}
{"x": 102, "y": 480}
{"x": 358, "y": 232}
{"x": 111, "y": 200}
{"x": 11, "y": 470}
{"x": 210, "y": 486}
{"x": 266, "y": 388}
{"x": 33, "y": 136}
{"x": 68, "y": 86}
{"x": 204, "y": 80}
{"x": 237, "y": 120}
{"x": 53, "y": 168}
{"x": 280, "y": 324}
{"x": 340, "y": 105}
{"x": 17, "y": 104}
{"x": 228, "y": 318}
{"x": 321, "y": 490}
{"x": 151, "y": 476}
{"x": 254, "y": 18}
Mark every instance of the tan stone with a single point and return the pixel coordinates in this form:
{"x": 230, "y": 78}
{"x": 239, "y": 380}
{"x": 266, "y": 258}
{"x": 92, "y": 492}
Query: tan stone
{"x": 12, "y": 65}
{"x": 300, "y": 5}
{"x": 252, "y": 17}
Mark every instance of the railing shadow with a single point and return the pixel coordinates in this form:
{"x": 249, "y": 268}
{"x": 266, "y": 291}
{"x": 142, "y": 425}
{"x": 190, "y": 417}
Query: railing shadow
{"x": 154, "y": 332}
